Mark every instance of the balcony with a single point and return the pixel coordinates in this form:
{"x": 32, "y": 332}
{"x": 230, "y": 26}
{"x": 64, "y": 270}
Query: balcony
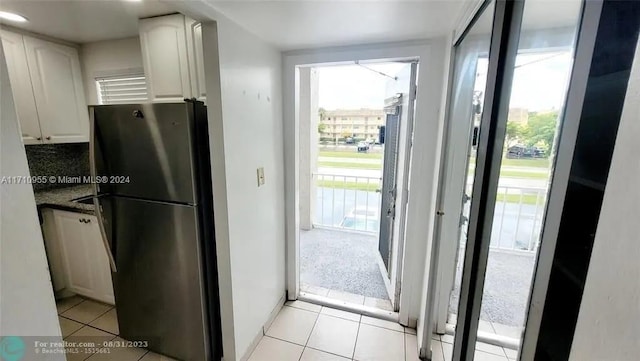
{"x": 339, "y": 255}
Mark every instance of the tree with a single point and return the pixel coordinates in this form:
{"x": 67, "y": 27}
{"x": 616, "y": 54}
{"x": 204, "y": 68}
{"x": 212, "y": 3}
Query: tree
{"x": 514, "y": 134}
{"x": 322, "y": 128}
{"x": 322, "y": 112}
{"x": 541, "y": 130}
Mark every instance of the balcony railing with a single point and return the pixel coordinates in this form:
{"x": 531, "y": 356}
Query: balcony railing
{"x": 517, "y": 219}
{"x": 347, "y": 202}
{"x": 353, "y": 203}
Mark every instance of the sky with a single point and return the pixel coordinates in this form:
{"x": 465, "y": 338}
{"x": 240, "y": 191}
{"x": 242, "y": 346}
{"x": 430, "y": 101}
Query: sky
{"x": 354, "y": 87}
{"x": 540, "y": 82}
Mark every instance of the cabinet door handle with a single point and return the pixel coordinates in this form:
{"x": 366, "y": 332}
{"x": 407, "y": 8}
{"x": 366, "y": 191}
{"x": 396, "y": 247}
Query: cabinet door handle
{"x": 39, "y": 138}
{"x": 81, "y": 220}
{"x": 49, "y": 137}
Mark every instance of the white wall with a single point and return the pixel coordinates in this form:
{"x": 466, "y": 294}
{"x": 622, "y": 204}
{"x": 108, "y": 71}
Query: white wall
{"x": 245, "y": 115}
{"x": 27, "y": 306}
{"x": 108, "y": 58}
{"x": 609, "y": 321}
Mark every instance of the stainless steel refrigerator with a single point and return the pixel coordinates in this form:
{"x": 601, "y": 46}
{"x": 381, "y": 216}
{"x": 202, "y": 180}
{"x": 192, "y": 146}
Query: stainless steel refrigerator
{"x": 154, "y": 203}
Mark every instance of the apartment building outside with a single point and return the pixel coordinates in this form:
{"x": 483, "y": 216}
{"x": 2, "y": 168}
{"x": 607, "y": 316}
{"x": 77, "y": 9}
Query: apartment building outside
{"x": 355, "y": 123}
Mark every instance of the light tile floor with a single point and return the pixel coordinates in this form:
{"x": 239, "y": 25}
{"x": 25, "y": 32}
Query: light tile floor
{"x": 301, "y": 332}
{"x": 83, "y": 320}
{"x": 308, "y": 332}
{"x": 442, "y": 348}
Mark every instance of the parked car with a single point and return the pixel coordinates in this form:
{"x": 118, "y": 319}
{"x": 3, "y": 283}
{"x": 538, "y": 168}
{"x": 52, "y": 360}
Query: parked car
{"x": 349, "y": 140}
{"x": 362, "y": 219}
{"x": 519, "y": 151}
{"x": 363, "y": 147}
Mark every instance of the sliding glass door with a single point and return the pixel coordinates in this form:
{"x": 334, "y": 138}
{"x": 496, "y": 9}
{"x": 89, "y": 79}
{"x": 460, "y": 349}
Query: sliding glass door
{"x": 511, "y": 71}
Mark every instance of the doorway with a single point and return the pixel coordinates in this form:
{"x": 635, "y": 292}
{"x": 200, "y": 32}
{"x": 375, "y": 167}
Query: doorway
{"x": 355, "y": 122}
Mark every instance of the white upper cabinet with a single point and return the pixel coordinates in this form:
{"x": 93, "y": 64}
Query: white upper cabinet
{"x": 20, "y": 80}
{"x": 196, "y": 59}
{"x": 57, "y": 86}
{"x": 172, "y": 57}
{"x": 164, "y": 52}
{"x": 46, "y": 82}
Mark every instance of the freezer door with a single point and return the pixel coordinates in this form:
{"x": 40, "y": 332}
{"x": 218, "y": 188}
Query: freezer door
{"x": 145, "y": 150}
{"x": 158, "y": 285}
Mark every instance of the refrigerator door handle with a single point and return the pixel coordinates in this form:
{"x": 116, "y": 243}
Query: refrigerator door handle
{"x": 96, "y": 201}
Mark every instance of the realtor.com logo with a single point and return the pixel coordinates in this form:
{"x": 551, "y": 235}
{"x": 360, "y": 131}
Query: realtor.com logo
{"x": 11, "y": 348}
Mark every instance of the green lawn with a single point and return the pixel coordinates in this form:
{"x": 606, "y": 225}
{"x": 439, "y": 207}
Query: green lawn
{"x": 538, "y": 162}
{"x": 369, "y": 187}
{"x": 350, "y": 154}
{"x": 520, "y": 174}
{"x": 515, "y": 198}
{"x": 504, "y": 173}
{"x": 535, "y": 163}
{"x": 350, "y": 165}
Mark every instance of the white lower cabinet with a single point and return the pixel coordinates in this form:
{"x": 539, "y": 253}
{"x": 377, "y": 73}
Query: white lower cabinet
{"x": 77, "y": 256}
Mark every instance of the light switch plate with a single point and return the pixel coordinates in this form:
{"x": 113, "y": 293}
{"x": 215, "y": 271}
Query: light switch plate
{"x": 260, "y": 176}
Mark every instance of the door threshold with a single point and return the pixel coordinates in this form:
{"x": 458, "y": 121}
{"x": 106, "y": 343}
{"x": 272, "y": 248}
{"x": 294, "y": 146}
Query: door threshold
{"x": 350, "y": 307}
{"x": 490, "y": 338}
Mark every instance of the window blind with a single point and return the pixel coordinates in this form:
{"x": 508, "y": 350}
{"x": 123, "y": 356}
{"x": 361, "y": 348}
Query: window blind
{"x": 122, "y": 89}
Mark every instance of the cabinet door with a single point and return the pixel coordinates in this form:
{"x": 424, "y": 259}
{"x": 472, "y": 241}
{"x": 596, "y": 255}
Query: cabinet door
{"x": 85, "y": 260}
{"x": 57, "y": 86}
{"x": 164, "y": 55}
{"x": 77, "y": 253}
{"x": 54, "y": 250}
{"x": 20, "y": 80}
{"x": 196, "y": 59}
{"x": 104, "y": 284}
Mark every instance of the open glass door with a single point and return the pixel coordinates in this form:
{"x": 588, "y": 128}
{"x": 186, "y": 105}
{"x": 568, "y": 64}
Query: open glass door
{"x": 511, "y": 75}
{"x": 399, "y": 109}
{"x": 468, "y": 89}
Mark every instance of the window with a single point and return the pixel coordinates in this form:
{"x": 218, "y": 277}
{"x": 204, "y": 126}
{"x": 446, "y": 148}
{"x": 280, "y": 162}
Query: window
{"x": 122, "y": 89}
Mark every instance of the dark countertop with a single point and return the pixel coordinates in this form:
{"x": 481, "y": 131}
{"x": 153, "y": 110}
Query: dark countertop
{"x": 60, "y": 198}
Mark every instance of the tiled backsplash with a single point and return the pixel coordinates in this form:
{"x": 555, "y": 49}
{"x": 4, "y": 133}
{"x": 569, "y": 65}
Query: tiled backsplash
{"x": 70, "y": 159}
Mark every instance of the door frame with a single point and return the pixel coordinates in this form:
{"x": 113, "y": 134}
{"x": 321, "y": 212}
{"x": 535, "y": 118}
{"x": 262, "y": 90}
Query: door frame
{"x": 431, "y": 80}
{"x": 391, "y": 274}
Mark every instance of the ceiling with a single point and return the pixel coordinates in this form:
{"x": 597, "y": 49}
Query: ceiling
{"x": 288, "y": 24}
{"x": 82, "y": 21}
{"x": 299, "y": 24}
